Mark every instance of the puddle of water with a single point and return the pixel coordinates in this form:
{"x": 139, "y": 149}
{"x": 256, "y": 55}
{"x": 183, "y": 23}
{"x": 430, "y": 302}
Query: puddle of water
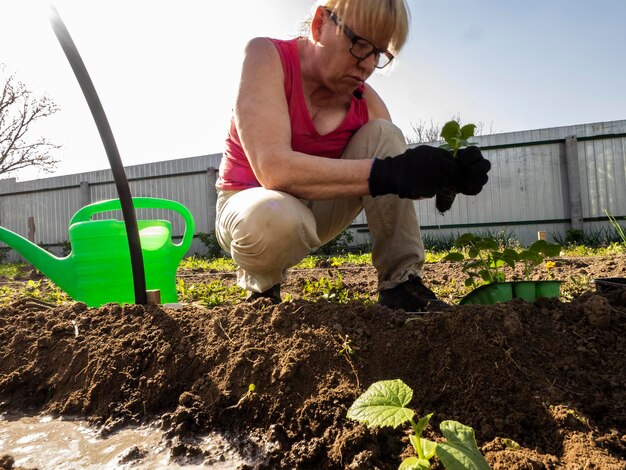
{"x": 47, "y": 443}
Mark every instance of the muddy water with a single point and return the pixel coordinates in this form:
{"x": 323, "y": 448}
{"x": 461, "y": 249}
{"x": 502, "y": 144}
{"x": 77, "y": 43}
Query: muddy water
{"x": 47, "y": 443}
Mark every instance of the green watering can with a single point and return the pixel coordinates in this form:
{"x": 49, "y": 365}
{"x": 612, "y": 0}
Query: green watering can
{"x": 98, "y": 269}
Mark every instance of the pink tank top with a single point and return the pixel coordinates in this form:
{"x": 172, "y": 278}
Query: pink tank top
{"x": 235, "y": 172}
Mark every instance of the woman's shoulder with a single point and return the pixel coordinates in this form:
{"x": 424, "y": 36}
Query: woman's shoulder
{"x": 264, "y": 44}
{"x": 375, "y": 105}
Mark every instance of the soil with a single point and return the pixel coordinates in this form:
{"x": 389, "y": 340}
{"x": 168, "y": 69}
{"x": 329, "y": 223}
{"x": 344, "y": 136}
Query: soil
{"x": 549, "y": 375}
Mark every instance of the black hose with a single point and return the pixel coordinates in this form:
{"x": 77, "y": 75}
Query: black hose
{"x": 121, "y": 182}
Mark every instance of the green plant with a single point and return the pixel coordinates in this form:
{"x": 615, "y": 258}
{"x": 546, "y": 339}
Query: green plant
{"x": 438, "y": 242}
{"x": 535, "y": 254}
{"x": 456, "y": 137}
{"x": 340, "y": 244}
{"x": 216, "y": 264}
{"x": 484, "y": 258}
{"x": 211, "y": 295}
{"x": 4, "y": 253}
{"x": 327, "y": 289}
{"x": 618, "y": 228}
{"x": 66, "y": 248}
{"x": 575, "y": 286}
{"x": 574, "y": 236}
{"x": 504, "y": 237}
{"x": 384, "y": 404}
{"x": 591, "y": 237}
{"x": 210, "y": 241}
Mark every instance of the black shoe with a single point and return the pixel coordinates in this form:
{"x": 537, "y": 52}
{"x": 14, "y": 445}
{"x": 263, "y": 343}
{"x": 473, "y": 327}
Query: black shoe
{"x": 273, "y": 293}
{"x": 412, "y": 296}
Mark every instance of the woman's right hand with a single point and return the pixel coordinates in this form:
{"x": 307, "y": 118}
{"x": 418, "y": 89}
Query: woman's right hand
{"x": 422, "y": 171}
{"x": 417, "y": 173}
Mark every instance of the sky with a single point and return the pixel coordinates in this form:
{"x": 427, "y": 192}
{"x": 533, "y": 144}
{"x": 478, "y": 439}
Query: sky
{"x": 166, "y": 72}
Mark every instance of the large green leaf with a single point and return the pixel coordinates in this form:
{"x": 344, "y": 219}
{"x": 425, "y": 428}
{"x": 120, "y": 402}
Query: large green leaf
{"x": 383, "y": 404}
{"x": 460, "y": 451}
{"x": 464, "y": 240}
{"x": 413, "y": 463}
{"x": 454, "y": 256}
{"x": 467, "y": 131}
{"x": 450, "y": 131}
{"x": 545, "y": 248}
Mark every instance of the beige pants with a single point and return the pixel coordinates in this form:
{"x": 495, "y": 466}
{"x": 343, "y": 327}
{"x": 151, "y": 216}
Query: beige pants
{"x": 267, "y": 231}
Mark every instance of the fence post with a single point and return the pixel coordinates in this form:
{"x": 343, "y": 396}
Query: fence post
{"x": 85, "y": 194}
{"x": 212, "y": 197}
{"x": 31, "y": 229}
{"x": 573, "y": 182}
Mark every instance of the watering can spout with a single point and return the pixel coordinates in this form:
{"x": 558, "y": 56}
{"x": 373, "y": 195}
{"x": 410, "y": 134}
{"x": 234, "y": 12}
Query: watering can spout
{"x": 59, "y": 270}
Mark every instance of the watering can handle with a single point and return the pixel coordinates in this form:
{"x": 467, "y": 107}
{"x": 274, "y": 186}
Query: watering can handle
{"x": 85, "y": 214}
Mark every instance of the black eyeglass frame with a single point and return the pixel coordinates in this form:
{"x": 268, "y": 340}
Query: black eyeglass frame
{"x": 354, "y": 38}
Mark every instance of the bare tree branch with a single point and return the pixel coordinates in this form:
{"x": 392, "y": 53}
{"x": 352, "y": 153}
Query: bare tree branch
{"x": 424, "y": 132}
{"x": 19, "y": 111}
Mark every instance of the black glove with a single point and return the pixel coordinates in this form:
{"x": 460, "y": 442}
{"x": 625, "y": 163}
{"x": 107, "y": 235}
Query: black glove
{"x": 418, "y": 173}
{"x": 471, "y": 171}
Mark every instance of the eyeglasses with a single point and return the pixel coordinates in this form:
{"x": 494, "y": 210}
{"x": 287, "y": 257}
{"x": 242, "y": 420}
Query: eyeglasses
{"x": 361, "y": 47}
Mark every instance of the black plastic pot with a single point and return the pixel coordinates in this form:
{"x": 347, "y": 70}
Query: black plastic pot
{"x": 610, "y": 284}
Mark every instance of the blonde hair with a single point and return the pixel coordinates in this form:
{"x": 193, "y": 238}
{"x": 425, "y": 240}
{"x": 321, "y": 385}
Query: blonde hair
{"x": 378, "y": 21}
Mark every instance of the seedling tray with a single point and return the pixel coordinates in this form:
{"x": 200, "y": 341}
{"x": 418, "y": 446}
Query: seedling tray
{"x": 495, "y": 292}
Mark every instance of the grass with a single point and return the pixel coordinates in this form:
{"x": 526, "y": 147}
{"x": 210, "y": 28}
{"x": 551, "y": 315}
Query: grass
{"x": 216, "y": 292}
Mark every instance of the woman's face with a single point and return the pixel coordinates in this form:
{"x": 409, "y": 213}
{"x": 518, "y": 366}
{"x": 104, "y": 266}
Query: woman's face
{"x": 340, "y": 70}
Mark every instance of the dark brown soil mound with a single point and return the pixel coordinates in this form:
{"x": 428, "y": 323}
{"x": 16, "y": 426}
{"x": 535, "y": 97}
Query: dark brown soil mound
{"x": 548, "y": 375}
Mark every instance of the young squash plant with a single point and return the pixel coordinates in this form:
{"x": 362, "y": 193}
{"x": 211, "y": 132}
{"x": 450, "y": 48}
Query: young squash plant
{"x": 484, "y": 258}
{"x": 456, "y": 138}
{"x": 384, "y": 404}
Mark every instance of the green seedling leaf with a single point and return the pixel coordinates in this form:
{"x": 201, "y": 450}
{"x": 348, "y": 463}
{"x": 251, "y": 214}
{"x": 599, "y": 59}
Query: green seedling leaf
{"x": 530, "y": 257}
{"x": 454, "y": 256}
{"x": 383, "y": 404}
{"x": 511, "y": 444}
{"x": 428, "y": 447}
{"x": 450, "y": 130}
{"x": 422, "y": 424}
{"x": 456, "y": 136}
{"x": 498, "y": 277}
{"x": 467, "y": 131}
{"x": 474, "y": 264}
{"x": 509, "y": 256}
{"x": 460, "y": 451}
{"x": 487, "y": 244}
{"x": 497, "y": 261}
{"x": 467, "y": 239}
{"x": 545, "y": 248}
{"x": 413, "y": 463}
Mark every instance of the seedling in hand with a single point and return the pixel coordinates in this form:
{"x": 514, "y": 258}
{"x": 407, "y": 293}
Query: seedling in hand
{"x": 456, "y": 137}
{"x": 384, "y": 404}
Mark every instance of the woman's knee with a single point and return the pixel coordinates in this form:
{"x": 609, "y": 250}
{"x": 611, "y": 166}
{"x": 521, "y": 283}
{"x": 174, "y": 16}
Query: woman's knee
{"x": 378, "y": 138}
{"x": 274, "y": 230}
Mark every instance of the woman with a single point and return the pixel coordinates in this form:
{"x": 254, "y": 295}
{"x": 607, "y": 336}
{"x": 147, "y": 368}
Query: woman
{"x": 306, "y": 153}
